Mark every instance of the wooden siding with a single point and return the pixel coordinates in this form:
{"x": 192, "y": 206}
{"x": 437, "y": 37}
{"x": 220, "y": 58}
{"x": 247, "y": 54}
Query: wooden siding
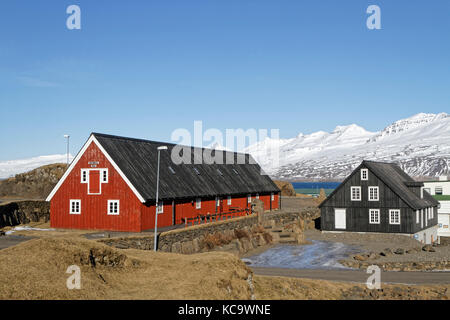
{"x": 357, "y": 212}
{"x": 94, "y": 207}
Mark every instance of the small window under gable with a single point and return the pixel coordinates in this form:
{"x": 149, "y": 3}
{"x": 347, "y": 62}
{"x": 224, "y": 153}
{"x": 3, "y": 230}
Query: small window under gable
{"x": 198, "y": 203}
{"x": 105, "y": 176}
{"x": 75, "y": 206}
{"x": 365, "y": 174}
{"x": 84, "y": 176}
{"x": 113, "y": 207}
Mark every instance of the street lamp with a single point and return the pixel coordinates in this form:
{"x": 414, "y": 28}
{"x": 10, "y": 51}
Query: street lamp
{"x": 67, "y": 137}
{"x": 157, "y": 200}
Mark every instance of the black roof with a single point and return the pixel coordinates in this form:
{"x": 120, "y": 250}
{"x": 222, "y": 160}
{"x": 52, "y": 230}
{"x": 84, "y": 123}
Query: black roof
{"x": 137, "y": 159}
{"x": 399, "y": 181}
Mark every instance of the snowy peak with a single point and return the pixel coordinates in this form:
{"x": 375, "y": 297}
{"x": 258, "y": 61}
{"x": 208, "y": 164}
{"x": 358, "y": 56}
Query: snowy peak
{"x": 419, "y": 144}
{"x": 416, "y": 121}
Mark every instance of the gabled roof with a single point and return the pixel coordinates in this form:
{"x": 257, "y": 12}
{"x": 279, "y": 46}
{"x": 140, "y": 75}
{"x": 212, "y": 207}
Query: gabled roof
{"x": 398, "y": 180}
{"x": 136, "y": 160}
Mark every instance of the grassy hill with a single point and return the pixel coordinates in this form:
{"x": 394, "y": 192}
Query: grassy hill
{"x": 35, "y": 184}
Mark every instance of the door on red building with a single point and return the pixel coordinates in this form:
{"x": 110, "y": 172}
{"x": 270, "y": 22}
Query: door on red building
{"x": 94, "y": 182}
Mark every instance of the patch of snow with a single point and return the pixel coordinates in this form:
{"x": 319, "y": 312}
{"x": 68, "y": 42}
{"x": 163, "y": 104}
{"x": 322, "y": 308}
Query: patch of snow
{"x": 10, "y": 168}
{"x": 26, "y": 228}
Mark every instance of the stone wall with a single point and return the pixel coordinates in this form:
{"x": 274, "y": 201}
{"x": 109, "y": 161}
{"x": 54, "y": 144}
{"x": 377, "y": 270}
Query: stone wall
{"x": 22, "y": 212}
{"x": 238, "y": 235}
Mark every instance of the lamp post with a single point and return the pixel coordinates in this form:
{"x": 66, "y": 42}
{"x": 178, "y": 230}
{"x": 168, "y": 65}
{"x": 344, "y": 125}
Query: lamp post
{"x": 157, "y": 200}
{"x": 67, "y": 137}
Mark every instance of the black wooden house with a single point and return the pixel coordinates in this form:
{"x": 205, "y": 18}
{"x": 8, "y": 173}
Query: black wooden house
{"x": 381, "y": 197}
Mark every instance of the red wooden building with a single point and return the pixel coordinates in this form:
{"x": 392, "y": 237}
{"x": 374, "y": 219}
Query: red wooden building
{"x": 111, "y": 185}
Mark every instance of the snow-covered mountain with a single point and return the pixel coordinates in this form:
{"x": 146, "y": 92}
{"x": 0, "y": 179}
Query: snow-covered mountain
{"x": 419, "y": 144}
{"x": 11, "y": 168}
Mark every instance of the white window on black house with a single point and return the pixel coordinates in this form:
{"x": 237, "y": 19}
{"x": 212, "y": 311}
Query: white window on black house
{"x": 249, "y": 198}
{"x": 373, "y": 194}
{"x": 272, "y": 197}
{"x": 355, "y": 193}
{"x": 374, "y": 216}
{"x": 75, "y": 206}
{"x": 438, "y": 190}
{"x": 198, "y": 203}
{"x": 417, "y": 216}
{"x": 160, "y": 207}
{"x": 105, "y": 176}
{"x": 113, "y": 207}
{"x": 229, "y": 200}
{"x": 84, "y": 176}
{"x": 394, "y": 216}
{"x": 365, "y": 174}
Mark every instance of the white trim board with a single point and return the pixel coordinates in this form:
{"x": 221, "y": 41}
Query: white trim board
{"x": 78, "y": 157}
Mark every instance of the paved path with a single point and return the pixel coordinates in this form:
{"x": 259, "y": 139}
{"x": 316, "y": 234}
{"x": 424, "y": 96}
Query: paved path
{"x": 360, "y": 276}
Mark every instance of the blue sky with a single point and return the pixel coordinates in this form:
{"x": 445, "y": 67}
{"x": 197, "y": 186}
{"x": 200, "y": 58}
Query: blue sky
{"x": 146, "y": 68}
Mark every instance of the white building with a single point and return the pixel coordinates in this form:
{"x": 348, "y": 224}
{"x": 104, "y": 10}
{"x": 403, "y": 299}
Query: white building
{"x": 440, "y": 189}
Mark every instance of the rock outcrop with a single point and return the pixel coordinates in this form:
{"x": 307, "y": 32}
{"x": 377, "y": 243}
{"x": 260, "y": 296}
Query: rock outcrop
{"x": 286, "y": 188}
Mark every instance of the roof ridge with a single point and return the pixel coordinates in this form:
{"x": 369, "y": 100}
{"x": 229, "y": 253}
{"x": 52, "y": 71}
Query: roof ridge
{"x": 160, "y": 142}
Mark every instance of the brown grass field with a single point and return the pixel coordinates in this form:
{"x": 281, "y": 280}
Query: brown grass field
{"x": 36, "y": 269}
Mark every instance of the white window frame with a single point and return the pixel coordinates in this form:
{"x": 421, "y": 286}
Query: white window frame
{"x": 417, "y": 216}
{"x": 438, "y": 190}
{"x": 376, "y": 216}
{"x": 160, "y": 207}
{"x": 112, "y": 213}
{"x": 84, "y": 176}
{"x": 198, "y": 203}
{"x": 249, "y": 198}
{"x": 364, "y": 174}
{"x": 103, "y": 176}
{"x": 272, "y": 197}
{"x": 351, "y": 193}
{"x": 229, "y": 200}
{"x": 392, "y": 216}
{"x": 377, "y": 193}
{"x": 75, "y": 201}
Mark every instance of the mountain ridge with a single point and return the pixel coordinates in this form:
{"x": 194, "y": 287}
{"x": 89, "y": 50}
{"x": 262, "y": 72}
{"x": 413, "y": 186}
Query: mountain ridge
{"x": 419, "y": 144}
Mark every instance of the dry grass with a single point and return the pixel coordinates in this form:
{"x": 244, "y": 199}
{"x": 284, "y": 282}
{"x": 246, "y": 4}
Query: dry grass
{"x": 283, "y": 288}
{"x": 37, "y": 270}
{"x": 216, "y": 240}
